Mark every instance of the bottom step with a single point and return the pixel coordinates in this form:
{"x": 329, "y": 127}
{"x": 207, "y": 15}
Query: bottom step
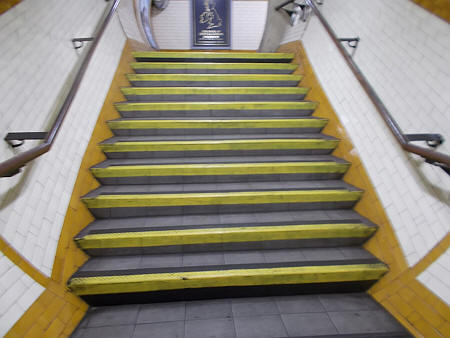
{"x": 353, "y": 315}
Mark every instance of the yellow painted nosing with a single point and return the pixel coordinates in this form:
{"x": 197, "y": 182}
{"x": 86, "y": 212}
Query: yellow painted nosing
{"x": 213, "y": 90}
{"x": 213, "y": 55}
{"x": 223, "y": 235}
{"x": 212, "y": 65}
{"x": 225, "y": 198}
{"x": 202, "y": 124}
{"x": 262, "y": 144}
{"x": 156, "y": 106}
{"x": 221, "y": 169}
{"x": 213, "y": 77}
{"x": 224, "y": 278}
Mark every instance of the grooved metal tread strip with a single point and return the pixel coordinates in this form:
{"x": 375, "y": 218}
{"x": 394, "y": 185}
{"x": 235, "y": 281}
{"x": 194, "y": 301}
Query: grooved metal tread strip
{"x": 223, "y": 235}
{"x": 155, "y": 106}
{"x": 213, "y": 90}
{"x": 224, "y": 198}
{"x": 222, "y": 278}
{"x": 205, "y": 65}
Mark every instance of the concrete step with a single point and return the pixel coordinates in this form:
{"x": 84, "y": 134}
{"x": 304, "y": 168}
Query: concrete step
{"x": 217, "y": 109}
{"x": 235, "y": 57}
{"x": 213, "y": 94}
{"x": 211, "y": 68}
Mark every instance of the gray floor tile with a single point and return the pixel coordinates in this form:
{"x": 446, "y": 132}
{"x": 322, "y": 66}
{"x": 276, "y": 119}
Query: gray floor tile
{"x": 214, "y": 328}
{"x": 160, "y": 330}
{"x": 254, "y": 307}
{"x": 260, "y": 327}
{"x": 123, "y": 331}
{"x": 208, "y": 309}
{"x": 206, "y": 258}
{"x": 299, "y": 304}
{"x": 308, "y": 324}
{"x": 117, "y": 315}
{"x": 164, "y": 312}
{"x": 364, "y": 322}
{"x": 348, "y": 302}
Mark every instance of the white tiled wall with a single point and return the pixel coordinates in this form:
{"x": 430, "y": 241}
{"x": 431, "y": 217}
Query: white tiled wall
{"x": 36, "y": 60}
{"x": 432, "y": 277}
{"x": 411, "y": 79}
{"x": 17, "y": 292}
{"x": 404, "y": 53}
{"x": 172, "y": 26}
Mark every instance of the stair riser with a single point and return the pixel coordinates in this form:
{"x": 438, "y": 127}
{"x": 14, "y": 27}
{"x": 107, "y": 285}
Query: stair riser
{"x": 220, "y": 247}
{"x": 219, "y": 60}
{"x": 212, "y": 71}
{"x": 226, "y": 292}
{"x": 286, "y": 113}
{"x": 217, "y": 178}
{"x": 213, "y": 131}
{"x": 216, "y": 97}
{"x": 293, "y": 83}
{"x": 208, "y": 209}
{"x": 167, "y": 154}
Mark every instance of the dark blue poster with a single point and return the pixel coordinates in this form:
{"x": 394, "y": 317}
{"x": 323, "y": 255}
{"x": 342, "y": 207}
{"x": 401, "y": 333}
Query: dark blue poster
{"x": 211, "y": 23}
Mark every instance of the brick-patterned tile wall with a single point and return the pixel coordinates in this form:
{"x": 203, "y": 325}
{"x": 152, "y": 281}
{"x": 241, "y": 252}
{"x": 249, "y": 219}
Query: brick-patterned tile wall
{"x": 404, "y": 53}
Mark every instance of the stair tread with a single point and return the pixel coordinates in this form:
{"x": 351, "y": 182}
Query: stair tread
{"x": 186, "y": 188}
{"x": 222, "y": 220}
{"x": 218, "y": 118}
{"x": 212, "y": 65}
{"x": 237, "y": 137}
{"x": 204, "y": 261}
{"x": 218, "y": 159}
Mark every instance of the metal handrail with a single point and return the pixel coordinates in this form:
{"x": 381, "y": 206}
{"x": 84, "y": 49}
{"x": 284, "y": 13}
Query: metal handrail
{"x": 434, "y": 157}
{"x": 13, "y": 165}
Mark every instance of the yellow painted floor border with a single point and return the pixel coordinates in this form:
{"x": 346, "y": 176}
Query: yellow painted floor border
{"x": 224, "y": 235}
{"x": 223, "y": 278}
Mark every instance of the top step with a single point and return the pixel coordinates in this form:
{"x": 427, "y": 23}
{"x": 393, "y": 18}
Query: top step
{"x": 213, "y": 57}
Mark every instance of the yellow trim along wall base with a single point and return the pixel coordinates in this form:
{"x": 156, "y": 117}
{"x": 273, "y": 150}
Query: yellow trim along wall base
{"x": 422, "y": 312}
{"x": 57, "y": 311}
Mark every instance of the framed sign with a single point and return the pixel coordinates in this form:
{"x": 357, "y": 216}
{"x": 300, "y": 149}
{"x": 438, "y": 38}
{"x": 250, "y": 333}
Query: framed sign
{"x": 211, "y": 22}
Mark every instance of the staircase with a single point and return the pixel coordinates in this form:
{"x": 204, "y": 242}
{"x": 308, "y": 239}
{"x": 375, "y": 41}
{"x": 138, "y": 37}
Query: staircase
{"x": 219, "y": 190}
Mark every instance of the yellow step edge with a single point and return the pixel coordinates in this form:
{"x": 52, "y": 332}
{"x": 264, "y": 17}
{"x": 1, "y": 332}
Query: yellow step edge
{"x": 215, "y": 65}
{"x": 212, "y": 90}
{"x": 221, "y": 169}
{"x": 213, "y": 55}
{"x": 224, "y": 278}
{"x": 222, "y": 124}
{"x": 213, "y": 77}
{"x": 217, "y": 198}
{"x": 223, "y": 235}
{"x": 263, "y": 105}
{"x": 206, "y": 145}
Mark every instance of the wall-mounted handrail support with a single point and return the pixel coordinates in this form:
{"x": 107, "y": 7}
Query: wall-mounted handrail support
{"x": 79, "y": 42}
{"x": 22, "y": 136}
{"x": 12, "y": 166}
{"x": 433, "y": 157}
{"x": 351, "y": 42}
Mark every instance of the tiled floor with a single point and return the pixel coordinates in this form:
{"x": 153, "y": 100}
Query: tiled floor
{"x": 292, "y": 316}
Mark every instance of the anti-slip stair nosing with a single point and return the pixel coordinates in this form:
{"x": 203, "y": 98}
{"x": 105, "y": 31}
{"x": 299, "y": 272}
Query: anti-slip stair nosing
{"x": 213, "y": 57}
{"x": 222, "y": 267}
{"x": 210, "y": 106}
{"x": 212, "y": 90}
{"x": 222, "y": 169}
{"x": 222, "y": 278}
{"x": 213, "y": 66}
{"x": 213, "y": 77}
{"x": 223, "y": 235}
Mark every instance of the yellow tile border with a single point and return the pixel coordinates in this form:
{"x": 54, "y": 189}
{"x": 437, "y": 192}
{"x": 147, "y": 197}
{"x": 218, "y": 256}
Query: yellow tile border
{"x": 7, "y": 4}
{"x": 441, "y": 8}
{"x": 422, "y": 312}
